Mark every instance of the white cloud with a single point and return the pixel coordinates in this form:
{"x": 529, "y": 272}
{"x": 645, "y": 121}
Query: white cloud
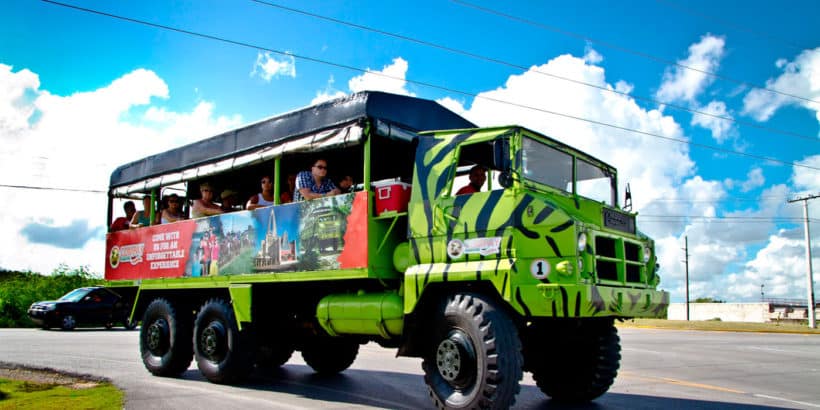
{"x": 800, "y": 77}
{"x": 806, "y": 179}
{"x": 591, "y": 56}
{"x": 391, "y": 79}
{"x": 268, "y": 67}
{"x": 683, "y": 84}
{"x": 721, "y": 129}
{"x": 15, "y": 111}
{"x": 75, "y": 141}
{"x": 780, "y": 267}
{"x": 754, "y": 179}
{"x": 453, "y": 105}
{"x": 329, "y": 93}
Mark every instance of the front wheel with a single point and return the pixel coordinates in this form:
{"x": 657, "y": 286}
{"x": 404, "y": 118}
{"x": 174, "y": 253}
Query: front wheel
{"x": 474, "y": 360}
{"x": 223, "y": 354}
{"x": 165, "y": 339}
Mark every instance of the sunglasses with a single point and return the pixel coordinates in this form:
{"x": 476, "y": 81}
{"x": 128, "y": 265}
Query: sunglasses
{"x": 320, "y": 166}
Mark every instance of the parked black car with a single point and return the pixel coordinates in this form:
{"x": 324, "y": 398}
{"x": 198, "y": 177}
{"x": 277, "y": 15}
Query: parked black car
{"x": 83, "y": 307}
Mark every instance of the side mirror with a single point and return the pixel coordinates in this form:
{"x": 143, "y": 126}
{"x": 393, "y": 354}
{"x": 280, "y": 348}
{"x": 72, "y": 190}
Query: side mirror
{"x": 505, "y": 179}
{"x": 627, "y": 199}
{"x": 501, "y": 155}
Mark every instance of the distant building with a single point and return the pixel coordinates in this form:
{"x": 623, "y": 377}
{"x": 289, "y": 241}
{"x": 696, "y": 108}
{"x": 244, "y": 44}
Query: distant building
{"x": 274, "y": 251}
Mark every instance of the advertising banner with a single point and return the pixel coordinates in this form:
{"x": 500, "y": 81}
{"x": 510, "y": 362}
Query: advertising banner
{"x": 321, "y": 234}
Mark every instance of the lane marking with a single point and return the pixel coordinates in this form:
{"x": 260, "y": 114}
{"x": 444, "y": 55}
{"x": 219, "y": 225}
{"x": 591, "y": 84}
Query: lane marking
{"x": 701, "y": 385}
{"x": 802, "y": 403}
{"x": 681, "y": 383}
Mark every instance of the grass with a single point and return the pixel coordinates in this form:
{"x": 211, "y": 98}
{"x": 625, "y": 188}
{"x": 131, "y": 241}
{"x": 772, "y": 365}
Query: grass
{"x": 715, "y": 325}
{"x": 16, "y": 394}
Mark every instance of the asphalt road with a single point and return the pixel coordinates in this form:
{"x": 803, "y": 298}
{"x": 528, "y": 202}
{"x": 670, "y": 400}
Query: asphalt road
{"x": 661, "y": 369}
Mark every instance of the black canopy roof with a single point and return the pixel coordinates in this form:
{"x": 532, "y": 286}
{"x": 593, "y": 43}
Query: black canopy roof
{"x": 412, "y": 114}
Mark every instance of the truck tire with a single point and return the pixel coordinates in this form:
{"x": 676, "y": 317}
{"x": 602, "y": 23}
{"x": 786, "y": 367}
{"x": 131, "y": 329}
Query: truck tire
{"x": 585, "y": 365}
{"x": 474, "y": 360}
{"x": 273, "y": 355}
{"x": 165, "y": 339}
{"x": 223, "y": 353}
{"x": 330, "y": 355}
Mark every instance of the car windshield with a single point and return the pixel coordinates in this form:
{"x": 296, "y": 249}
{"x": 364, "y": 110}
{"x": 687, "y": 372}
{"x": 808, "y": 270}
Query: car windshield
{"x": 546, "y": 165}
{"x": 75, "y": 295}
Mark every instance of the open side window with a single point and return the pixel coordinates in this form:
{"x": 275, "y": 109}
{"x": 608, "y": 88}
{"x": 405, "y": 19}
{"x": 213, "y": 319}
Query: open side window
{"x": 475, "y": 171}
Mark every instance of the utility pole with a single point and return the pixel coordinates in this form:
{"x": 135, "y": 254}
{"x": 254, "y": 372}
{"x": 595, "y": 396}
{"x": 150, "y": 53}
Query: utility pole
{"x": 686, "y": 261}
{"x": 809, "y": 279}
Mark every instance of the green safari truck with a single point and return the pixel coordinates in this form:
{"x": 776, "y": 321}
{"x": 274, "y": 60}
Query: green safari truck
{"x": 528, "y": 272}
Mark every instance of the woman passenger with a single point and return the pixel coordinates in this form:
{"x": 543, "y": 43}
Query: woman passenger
{"x": 173, "y": 212}
{"x": 142, "y": 218}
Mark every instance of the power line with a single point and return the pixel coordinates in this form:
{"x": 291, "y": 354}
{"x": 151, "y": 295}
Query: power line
{"x": 425, "y": 84}
{"x": 728, "y": 218}
{"x": 623, "y": 49}
{"x": 523, "y": 68}
{"x": 705, "y": 16}
{"x": 45, "y": 188}
{"x": 724, "y": 199}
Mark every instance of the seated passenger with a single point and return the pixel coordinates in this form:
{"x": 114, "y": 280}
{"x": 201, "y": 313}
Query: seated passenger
{"x": 173, "y": 212}
{"x": 314, "y": 183}
{"x": 229, "y": 201}
{"x": 204, "y": 206}
{"x": 287, "y": 195}
{"x": 478, "y": 175}
{"x": 142, "y": 218}
{"x": 346, "y": 184}
{"x": 122, "y": 223}
{"x": 264, "y": 198}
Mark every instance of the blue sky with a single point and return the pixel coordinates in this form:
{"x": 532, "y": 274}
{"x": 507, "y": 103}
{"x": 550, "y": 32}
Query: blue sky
{"x": 81, "y": 93}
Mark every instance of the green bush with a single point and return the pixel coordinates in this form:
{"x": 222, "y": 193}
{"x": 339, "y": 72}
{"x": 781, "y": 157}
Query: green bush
{"x": 18, "y": 290}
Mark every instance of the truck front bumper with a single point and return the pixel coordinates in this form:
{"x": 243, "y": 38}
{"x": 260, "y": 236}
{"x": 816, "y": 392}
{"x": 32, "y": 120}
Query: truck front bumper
{"x": 559, "y": 300}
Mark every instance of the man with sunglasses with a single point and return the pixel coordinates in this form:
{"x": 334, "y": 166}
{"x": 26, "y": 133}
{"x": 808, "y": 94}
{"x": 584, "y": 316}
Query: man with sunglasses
{"x": 314, "y": 183}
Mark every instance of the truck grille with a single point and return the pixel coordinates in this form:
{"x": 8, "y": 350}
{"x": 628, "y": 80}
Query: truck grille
{"x": 617, "y": 260}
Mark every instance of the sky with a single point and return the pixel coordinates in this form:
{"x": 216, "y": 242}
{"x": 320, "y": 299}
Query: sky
{"x": 709, "y": 110}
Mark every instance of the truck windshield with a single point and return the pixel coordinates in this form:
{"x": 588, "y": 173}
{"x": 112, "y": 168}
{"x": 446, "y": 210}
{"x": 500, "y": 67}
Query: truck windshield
{"x": 546, "y": 165}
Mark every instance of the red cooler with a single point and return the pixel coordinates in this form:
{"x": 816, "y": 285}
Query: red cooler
{"x": 391, "y": 196}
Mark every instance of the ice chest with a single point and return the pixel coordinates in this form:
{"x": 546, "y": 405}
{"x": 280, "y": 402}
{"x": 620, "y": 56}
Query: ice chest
{"x": 391, "y": 196}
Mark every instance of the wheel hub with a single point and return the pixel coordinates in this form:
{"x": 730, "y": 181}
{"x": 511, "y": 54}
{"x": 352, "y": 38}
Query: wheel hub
{"x": 212, "y": 341}
{"x": 455, "y": 359}
{"x": 156, "y": 335}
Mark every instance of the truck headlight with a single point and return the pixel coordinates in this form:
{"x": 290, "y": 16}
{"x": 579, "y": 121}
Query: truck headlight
{"x": 647, "y": 254}
{"x": 582, "y": 242}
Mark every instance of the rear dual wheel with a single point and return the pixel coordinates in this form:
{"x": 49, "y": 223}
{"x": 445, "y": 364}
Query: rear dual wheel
{"x": 330, "y": 355}
{"x": 223, "y": 353}
{"x": 165, "y": 339}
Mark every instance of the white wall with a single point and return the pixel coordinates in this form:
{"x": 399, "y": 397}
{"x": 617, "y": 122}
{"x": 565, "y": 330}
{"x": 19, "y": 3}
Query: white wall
{"x": 727, "y": 312}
